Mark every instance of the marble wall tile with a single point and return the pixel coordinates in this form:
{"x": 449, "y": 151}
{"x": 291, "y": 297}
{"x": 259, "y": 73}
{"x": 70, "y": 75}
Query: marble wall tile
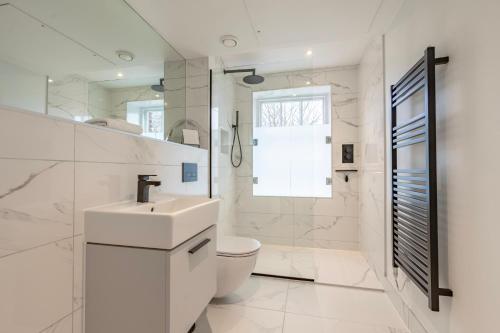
{"x": 341, "y": 204}
{"x": 36, "y": 287}
{"x": 99, "y": 101}
{"x": 372, "y": 159}
{"x": 78, "y": 321}
{"x": 345, "y": 105}
{"x": 28, "y": 135}
{"x": 68, "y": 97}
{"x": 62, "y": 107}
{"x": 175, "y": 69}
{"x": 197, "y": 97}
{"x": 246, "y": 167}
{"x": 42, "y": 196}
{"x": 197, "y": 67}
{"x": 78, "y": 264}
{"x": 333, "y": 228}
{"x": 345, "y": 129}
{"x": 95, "y": 144}
{"x": 64, "y": 325}
{"x": 197, "y": 90}
{"x": 246, "y": 202}
{"x": 268, "y": 225}
{"x": 175, "y": 93}
{"x": 327, "y": 244}
{"x": 199, "y": 119}
{"x": 120, "y": 97}
{"x": 200, "y": 187}
{"x": 36, "y": 203}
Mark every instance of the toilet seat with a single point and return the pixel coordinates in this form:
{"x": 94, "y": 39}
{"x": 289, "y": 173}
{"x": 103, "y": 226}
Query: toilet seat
{"x": 230, "y": 246}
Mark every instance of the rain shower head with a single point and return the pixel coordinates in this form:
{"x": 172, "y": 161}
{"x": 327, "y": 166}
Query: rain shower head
{"x": 159, "y": 87}
{"x": 249, "y": 79}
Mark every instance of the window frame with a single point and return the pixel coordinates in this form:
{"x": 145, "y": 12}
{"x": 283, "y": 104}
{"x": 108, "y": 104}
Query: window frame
{"x": 298, "y": 98}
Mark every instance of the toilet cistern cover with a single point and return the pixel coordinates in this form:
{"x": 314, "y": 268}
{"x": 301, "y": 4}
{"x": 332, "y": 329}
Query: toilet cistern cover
{"x": 231, "y": 245}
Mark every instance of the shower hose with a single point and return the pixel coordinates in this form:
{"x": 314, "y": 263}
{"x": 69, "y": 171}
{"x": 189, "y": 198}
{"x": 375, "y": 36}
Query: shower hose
{"x": 236, "y": 135}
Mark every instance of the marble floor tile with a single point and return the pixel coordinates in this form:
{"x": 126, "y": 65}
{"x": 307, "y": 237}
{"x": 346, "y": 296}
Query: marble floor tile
{"x": 325, "y": 266}
{"x": 239, "y": 319}
{"x": 274, "y": 259}
{"x": 299, "y": 323}
{"x": 346, "y": 304}
{"x": 258, "y": 292}
{"x": 345, "y": 268}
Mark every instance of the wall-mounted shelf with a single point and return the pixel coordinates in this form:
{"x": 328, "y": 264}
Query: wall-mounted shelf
{"x": 346, "y": 178}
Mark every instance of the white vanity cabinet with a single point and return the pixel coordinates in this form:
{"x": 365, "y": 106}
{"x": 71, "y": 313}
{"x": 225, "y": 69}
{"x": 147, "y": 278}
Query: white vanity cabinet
{"x": 144, "y": 290}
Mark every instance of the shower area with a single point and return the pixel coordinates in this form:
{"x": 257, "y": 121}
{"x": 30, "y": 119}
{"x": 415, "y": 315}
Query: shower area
{"x": 285, "y": 164}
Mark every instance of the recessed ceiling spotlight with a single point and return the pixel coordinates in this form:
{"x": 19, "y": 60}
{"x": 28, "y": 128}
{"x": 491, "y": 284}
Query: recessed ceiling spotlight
{"x": 309, "y": 53}
{"x": 125, "y": 55}
{"x": 50, "y": 80}
{"x": 229, "y": 40}
{"x": 119, "y": 74}
{"x": 308, "y": 82}
{"x": 157, "y": 95}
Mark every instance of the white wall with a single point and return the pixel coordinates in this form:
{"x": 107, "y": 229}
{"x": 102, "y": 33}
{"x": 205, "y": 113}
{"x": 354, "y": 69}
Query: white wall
{"x": 310, "y": 222}
{"x": 21, "y": 88}
{"x": 50, "y": 170}
{"x": 468, "y": 181}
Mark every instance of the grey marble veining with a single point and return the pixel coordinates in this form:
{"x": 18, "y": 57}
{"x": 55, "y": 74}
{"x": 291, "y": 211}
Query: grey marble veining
{"x": 43, "y": 192}
{"x": 344, "y": 201}
{"x": 30, "y": 215}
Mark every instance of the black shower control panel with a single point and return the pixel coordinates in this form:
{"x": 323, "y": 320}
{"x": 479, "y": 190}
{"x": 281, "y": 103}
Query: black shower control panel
{"x": 189, "y": 172}
{"x": 347, "y": 153}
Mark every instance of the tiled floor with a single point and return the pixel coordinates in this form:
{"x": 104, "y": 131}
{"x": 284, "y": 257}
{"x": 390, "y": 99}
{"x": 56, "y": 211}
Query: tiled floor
{"x": 325, "y": 266}
{"x": 268, "y": 305}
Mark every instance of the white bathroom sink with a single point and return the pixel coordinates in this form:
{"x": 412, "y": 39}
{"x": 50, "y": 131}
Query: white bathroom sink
{"x": 163, "y": 223}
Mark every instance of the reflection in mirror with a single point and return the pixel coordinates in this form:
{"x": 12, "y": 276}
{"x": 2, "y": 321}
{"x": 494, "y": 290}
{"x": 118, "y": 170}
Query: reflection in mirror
{"x": 91, "y": 60}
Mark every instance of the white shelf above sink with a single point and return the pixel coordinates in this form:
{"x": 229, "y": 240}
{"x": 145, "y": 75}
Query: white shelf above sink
{"x": 163, "y": 223}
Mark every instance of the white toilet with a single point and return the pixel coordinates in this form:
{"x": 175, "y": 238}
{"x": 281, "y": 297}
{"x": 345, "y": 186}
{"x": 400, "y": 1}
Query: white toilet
{"x": 236, "y": 258}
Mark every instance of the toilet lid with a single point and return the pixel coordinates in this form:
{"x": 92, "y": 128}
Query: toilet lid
{"x": 237, "y": 246}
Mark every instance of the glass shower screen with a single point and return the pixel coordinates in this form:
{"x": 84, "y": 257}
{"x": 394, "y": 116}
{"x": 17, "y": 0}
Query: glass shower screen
{"x": 291, "y": 142}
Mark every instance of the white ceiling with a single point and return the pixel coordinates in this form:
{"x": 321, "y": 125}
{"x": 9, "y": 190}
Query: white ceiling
{"x": 61, "y": 37}
{"x": 274, "y": 35}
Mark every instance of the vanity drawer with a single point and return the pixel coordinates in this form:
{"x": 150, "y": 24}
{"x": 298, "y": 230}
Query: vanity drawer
{"x": 191, "y": 277}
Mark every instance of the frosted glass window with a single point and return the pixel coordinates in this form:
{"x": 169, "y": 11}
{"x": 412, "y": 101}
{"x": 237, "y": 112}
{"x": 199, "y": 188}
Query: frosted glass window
{"x": 291, "y": 154}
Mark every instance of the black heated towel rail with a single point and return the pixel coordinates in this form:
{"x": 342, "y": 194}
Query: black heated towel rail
{"x": 414, "y": 191}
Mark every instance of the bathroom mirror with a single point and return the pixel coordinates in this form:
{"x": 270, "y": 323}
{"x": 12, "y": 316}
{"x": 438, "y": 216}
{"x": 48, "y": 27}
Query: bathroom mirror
{"x": 93, "y": 61}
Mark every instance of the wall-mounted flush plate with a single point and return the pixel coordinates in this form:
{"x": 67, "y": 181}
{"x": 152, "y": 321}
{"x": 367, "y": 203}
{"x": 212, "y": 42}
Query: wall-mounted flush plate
{"x": 347, "y": 153}
{"x": 189, "y": 172}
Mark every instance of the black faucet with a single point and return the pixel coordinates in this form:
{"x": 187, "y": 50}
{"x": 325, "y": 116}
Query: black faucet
{"x": 143, "y": 185}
